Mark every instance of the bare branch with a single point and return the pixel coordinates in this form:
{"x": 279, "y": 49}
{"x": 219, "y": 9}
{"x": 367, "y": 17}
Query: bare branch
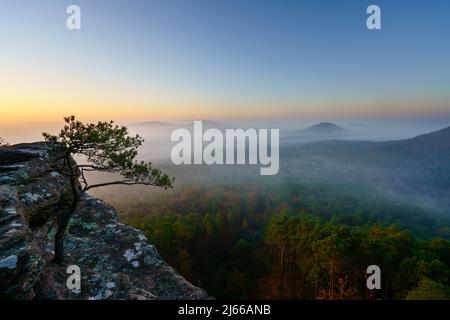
{"x": 122, "y": 182}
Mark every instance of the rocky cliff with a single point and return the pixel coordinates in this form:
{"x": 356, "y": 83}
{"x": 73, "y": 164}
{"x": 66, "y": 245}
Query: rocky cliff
{"x": 116, "y": 261}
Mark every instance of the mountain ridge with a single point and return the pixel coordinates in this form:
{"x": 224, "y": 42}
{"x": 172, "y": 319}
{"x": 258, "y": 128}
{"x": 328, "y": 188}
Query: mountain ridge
{"x": 431, "y": 141}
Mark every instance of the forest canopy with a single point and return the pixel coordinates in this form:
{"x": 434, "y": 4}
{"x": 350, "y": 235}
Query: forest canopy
{"x": 251, "y": 243}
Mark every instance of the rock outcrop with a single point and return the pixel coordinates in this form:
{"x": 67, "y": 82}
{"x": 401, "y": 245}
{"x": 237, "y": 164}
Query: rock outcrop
{"x": 116, "y": 261}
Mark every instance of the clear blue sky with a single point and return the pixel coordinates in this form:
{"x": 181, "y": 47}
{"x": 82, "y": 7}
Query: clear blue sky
{"x": 287, "y": 57}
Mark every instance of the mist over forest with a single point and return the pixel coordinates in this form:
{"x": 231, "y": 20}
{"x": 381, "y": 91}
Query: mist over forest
{"x": 351, "y": 152}
{"x": 343, "y": 186}
{"x": 227, "y": 228}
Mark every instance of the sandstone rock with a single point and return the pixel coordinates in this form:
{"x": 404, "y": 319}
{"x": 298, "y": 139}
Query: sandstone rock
{"x": 20, "y": 260}
{"x": 116, "y": 261}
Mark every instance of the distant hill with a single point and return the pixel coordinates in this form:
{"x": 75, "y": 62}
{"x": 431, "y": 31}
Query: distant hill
{"x": 435, "y": 144}
{"x": 208, "y": 123}
{"x": 152, "y": 124}
{"x": 318, "y": 132}
{"x": 436, "y": 141}
{"x": 325, "y": 128}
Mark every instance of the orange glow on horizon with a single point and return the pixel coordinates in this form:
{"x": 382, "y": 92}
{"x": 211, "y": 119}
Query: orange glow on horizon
{"x": 25, "y": 99}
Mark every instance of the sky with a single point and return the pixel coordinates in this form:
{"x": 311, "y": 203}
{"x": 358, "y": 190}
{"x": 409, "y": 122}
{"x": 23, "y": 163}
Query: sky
{"x": 168, "y": 60}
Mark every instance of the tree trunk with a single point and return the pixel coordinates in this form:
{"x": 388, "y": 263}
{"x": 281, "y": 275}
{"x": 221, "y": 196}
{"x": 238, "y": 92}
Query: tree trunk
{"x": 281, "y": 286}
{"x": 63, "y": 220}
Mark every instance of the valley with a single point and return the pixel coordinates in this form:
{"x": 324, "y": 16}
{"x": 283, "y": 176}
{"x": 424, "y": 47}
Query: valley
{"x": 240, "y": 236}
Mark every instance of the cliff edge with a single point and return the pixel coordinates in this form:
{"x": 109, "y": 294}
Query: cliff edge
{"x": 116, "y": 261}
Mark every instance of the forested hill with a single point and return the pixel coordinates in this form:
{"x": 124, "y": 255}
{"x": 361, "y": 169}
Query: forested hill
{"x": 437, "y": 142}
{"x": 418, "y": 168}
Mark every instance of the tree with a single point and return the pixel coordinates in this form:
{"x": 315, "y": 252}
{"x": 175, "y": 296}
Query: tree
{"x": 108, "y": 148}
{"x": 3, "y": 143}
{"x": 429, "y": 290}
